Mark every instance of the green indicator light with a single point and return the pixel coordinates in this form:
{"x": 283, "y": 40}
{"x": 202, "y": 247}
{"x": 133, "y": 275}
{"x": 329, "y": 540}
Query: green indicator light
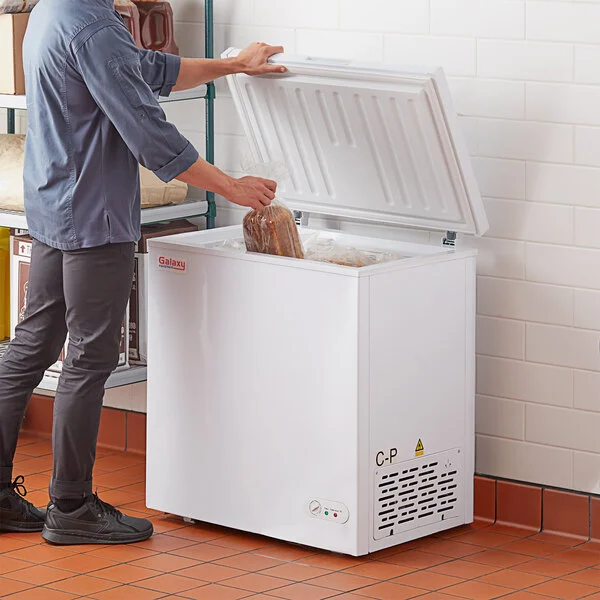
{"x": 326, "y": 512}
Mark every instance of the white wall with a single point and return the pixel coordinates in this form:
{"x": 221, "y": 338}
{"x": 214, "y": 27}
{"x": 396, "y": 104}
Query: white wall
{"x": 526, "y": 81}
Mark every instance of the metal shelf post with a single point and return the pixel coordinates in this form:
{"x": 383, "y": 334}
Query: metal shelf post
{"x": 10, "y": 120}
{"x": 210, "y": 111}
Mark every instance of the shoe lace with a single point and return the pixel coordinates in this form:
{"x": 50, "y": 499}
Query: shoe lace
{"x": 104, "y": 507}
{"x": 18, "y": 486}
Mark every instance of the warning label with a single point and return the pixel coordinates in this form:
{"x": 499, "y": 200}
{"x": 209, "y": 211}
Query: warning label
{"x": 419, "y": 449}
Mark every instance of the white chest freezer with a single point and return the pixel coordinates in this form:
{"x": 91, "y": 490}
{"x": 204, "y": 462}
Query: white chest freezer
{"x": 321, "y": 404}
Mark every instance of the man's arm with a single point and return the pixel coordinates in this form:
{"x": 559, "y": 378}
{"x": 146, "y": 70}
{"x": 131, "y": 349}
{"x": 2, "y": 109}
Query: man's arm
{"x": 109, "y": 64}
{"x": 252, "y": 61}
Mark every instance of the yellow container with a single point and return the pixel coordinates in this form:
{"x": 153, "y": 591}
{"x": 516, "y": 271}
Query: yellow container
{"x": 4, "y": 283}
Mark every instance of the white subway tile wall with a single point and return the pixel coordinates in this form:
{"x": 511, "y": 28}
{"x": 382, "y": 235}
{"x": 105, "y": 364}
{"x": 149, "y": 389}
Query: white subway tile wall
{"x": 525, "y": 78}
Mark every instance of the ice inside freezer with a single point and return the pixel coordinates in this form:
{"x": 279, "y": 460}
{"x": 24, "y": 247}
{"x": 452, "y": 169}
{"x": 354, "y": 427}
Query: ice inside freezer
{"x": 322, "y": 248}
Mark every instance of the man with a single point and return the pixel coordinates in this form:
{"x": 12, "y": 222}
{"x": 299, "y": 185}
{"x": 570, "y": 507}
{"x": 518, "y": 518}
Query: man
{"x": 93, "y": 116}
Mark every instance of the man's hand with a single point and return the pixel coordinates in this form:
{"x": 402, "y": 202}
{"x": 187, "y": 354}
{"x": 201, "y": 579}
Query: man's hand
{"x": 253, "y": 59}
{"x": 253, "y": 192}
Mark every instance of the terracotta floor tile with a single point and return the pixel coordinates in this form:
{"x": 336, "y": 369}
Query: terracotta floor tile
{"x": 211, "y": 573}
{"x": 42, "y": 594}
{"x": 465, "y": 569}
{"x": 241, "y": 542}
{"x": 333, "y": 562}
{"x": 8, "y": 543}
{"x": 559, "y": 540}
{"x": 344, "y": 582}
{"x": 550, "y": 568}
{"x": 524, "y": 596}
{"x": 39, "y": 448}
{"x": 169, "y": 583}
{"x": 204, "y": 552}
{"x": 303, "y": 591}
{"x": 256, "y": 582}
{"x": 216, "y": 591}
{"x": 379, "y": 570}
{"x": 286, "y": 552}
{"x": 532, "y": 548}
{"x": 462, "y": 529}
{"x": 128, "y": 592}
{"x": 126, "y": 574}
{"x": 164, "y": 543}
{"x": 41, "y": 553}
{"x": 164, "y": 562}
{"x": 116, "y": 462}
{"x": 8, "y": 564}
{"x": 428, "y": 580}
{"x": 512, "y": 530}
{"x": 565, "y": 590}
{"x": 122, "y": 554}
{"x": 485, "y": 538}
{"x": 417, "y": 559}
{"x": 390, "y": 591}
{"x": 39, "y": 575}
{"x": 139, "y": 505}
{"x": 451, "y": 548}
{"x": 83, "y": 585}
{"x": 10, "y": 586}
{"x": 437, "y": 596}
{"x": 295, "y": 572}
{"x": 578, "y": 557}
{"x": 476, "y": 590}
{"x": 82, "y": 563}
{"x": 161, "y": 526}
{"x": 118, "y": 498}
{"x": 195, "y": 534}
{"x": 499, "y": 558}
{"x": 510, "y": 578}
{"x": 248, "y": 561}
{"x": 587, "y": 576}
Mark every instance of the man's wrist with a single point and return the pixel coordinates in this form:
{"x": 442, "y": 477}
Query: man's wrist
{"x": 225, "y": 185}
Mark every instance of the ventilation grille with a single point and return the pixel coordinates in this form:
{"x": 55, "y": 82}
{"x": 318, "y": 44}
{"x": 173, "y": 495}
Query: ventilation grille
{"x": 417, "y": 493}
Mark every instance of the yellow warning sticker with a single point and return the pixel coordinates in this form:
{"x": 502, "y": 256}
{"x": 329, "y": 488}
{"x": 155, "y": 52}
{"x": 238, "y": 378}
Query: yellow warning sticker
{"x": 420, "y": 449}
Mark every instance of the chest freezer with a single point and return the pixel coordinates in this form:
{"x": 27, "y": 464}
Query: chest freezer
{"x": 326, "y": 405}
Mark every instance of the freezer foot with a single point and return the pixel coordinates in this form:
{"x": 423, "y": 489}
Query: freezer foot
{"x": 189, "y": 520}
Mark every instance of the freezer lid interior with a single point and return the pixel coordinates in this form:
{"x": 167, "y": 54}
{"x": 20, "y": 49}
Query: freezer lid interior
{"x": 360, "y": 141}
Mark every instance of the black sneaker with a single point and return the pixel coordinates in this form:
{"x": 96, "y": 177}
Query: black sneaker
{"x": 95, "y": 522}
{"x": 17, "y": 515}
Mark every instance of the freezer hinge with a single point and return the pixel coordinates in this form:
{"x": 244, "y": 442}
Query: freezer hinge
{"x": 301, "y": 218}
{"x": 449, "y": 239}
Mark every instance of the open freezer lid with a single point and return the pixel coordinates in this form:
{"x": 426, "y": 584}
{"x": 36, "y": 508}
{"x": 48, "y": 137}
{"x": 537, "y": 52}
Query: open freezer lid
{"x": 368, "y": 142}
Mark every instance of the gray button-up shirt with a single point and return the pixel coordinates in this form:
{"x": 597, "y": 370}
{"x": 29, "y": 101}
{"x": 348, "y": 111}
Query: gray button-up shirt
{"x": 93, "y": 115}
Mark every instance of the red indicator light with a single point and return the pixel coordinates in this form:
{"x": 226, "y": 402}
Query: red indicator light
{"x": 335, "y": 514}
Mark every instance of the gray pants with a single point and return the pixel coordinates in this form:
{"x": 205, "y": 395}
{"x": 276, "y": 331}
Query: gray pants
{"x": 84, "y": 292}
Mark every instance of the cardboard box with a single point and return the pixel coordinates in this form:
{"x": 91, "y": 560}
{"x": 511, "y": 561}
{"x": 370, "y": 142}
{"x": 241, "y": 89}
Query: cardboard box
{"x": 20, "y": 251}
{"x": 12, "y": 32}
{"x": 138, "y": 314}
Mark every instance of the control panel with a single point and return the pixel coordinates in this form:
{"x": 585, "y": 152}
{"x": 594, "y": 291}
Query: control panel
{"x": 328, "y": 510}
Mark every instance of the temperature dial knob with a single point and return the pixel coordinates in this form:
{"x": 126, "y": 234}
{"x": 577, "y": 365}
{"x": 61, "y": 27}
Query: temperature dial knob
{"x": 315, "y": 507}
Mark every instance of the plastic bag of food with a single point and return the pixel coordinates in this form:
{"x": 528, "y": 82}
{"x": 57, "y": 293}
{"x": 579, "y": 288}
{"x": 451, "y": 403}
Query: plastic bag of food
{"x": 17, "y": 6}
{"x": 273, "y": 229}
{"x": 328, "y": 250}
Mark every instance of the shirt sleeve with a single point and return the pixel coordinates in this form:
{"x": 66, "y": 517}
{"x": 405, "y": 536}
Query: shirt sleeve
{"x": 160, "y": 71}
{"x": 111, "y": 67}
